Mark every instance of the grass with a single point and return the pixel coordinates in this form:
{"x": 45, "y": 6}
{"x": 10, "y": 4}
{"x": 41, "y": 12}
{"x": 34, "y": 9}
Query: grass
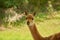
{"x": 15, "y": 34}
{"x": 49, "y": 27}
{"x": 45, "y": 28}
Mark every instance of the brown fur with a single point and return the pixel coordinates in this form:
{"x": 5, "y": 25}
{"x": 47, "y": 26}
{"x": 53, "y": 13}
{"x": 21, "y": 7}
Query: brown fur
{"x": 34, "y": 31}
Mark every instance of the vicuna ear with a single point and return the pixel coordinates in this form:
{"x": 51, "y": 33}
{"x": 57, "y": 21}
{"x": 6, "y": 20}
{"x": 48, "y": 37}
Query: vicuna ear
{"x": 26, "y": 13}
{"x": 34, "y": 13}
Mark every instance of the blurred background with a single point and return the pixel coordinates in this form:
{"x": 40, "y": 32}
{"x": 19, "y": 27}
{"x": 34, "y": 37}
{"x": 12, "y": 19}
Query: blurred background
{"x": 13, "y": 23}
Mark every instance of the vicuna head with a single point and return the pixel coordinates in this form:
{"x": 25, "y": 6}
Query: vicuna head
{"x": 30, "y": 17}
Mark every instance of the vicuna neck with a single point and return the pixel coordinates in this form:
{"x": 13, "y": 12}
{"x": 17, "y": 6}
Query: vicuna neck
{"x": 34, "y": 31}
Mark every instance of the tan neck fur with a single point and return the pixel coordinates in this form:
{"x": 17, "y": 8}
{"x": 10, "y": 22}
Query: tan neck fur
{"x": 34, "y": 31}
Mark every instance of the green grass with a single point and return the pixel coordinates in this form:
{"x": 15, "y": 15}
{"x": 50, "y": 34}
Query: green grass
{"x": 15, "y": 34}
{"x": 49, "y": 27}
{"x": 45, "y": 28}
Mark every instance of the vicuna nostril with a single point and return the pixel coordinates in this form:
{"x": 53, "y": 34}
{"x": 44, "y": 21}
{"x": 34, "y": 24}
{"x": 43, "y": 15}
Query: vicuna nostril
{"x": 32, "y": 19}
{"x": 28, "y": 23}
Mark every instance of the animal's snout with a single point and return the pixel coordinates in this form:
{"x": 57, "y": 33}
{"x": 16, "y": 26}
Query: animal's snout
{"x": 28, "y": 22}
